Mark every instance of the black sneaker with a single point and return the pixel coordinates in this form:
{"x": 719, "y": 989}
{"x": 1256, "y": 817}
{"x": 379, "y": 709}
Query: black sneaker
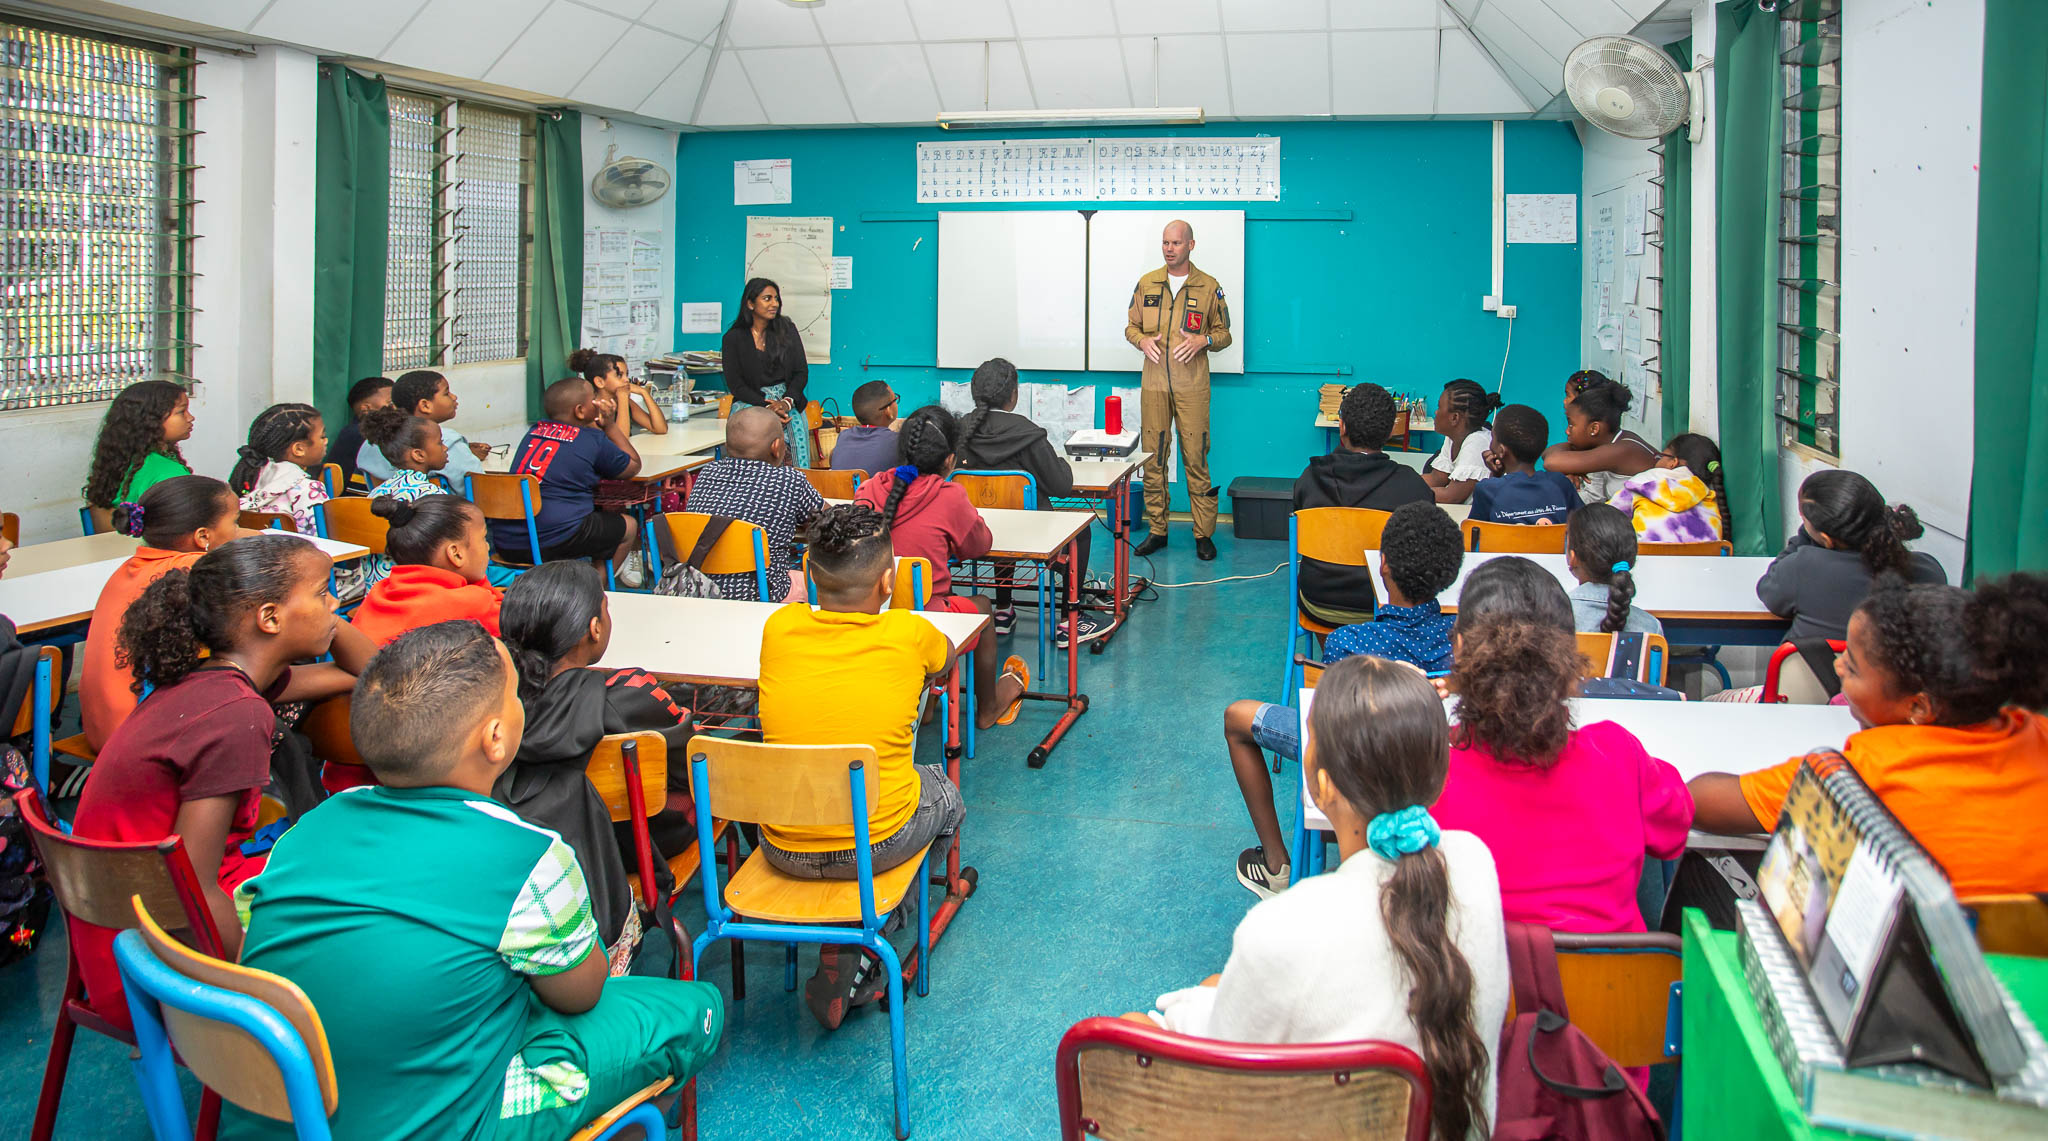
{"x": 1005, "y": 620}
{"x": 1205, "y": 548}
{"x": 1086, "y": 626}
{"x": 1253, "y": 873}
{"x": 846, "y": 977}
{"x": 1152, "y": 545}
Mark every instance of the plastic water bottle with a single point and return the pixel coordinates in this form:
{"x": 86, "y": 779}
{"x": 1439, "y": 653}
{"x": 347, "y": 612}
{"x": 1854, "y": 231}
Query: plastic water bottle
{"x": 1113, "y": 414}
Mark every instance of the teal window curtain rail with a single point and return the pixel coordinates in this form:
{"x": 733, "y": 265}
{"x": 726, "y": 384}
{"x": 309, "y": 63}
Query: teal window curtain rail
{"x": 351, "y": 235}
{"x": 557, "y": 291}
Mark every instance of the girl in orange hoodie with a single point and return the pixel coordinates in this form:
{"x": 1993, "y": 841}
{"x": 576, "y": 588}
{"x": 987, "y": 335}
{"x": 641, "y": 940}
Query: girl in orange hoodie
{"x": 441, "y": 556}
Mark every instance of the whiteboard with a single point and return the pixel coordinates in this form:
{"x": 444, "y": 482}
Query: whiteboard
{"x": 1123, "y": 246}
{"x": 1013, "y": 285}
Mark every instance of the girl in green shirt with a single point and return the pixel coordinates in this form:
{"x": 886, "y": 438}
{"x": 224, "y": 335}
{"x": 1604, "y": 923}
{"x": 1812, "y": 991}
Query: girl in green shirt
{"x": 138, "y": 446}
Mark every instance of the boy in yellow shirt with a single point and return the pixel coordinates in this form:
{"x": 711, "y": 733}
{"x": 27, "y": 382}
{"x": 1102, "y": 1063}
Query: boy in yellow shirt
{"x": 851, "y": 672}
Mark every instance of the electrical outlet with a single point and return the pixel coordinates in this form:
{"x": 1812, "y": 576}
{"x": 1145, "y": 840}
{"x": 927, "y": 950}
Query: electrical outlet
{"x": 1507, "y": 311}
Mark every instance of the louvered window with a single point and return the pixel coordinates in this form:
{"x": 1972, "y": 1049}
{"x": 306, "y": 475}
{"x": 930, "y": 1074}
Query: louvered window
{"x": 1810, "y": 247}
{"x": 95, "y": 200}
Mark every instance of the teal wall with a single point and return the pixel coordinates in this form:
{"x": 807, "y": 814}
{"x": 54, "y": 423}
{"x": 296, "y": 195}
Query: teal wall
{"x": 1392, "y": 295}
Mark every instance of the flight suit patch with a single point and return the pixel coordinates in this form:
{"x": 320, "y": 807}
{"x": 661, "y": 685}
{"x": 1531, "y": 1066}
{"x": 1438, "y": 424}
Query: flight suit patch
{"x": 1151, "y": 301}
{"x": 1193, "y": 323}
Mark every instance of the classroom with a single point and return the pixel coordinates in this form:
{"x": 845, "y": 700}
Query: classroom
{"x": 1219, "y": 568}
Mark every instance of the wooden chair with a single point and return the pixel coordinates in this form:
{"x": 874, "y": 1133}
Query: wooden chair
{"x": 1515, "y": 538}
{"x": 10, "y": 528}
{"x": 1618, "y": 988}
{"x": 725, "y": 406}
{"x": 94, "y": 882}
{"x": 267, "y": 520}
{"x": 326, "y": 727}
{"x": 1120, "y": 1080}
{"x": 1002, "y": 490}
{"x": 1339, "y": 535}
{"x": 742, "y": 549}
{"x": 833, "y": 484}
{"x": 629, "y": 772}
{"x": 254, "y": 1038}
{"x": 2011, "y": 924}
{"x": 1788, "y": 680}
{"x": 33, "y": 719}
{"x": 808, "y": 786}
{"x": 331, "y": 478}
{"x": 1599, "y": 649}
{"x": 510, "y": 498}
{"x": 349, "y": 520}
{"x": 1711, "y": 547}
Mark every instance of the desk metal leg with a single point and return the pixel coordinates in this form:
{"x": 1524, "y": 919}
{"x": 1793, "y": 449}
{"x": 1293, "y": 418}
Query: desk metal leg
{"x": 959, "y": 882}
{"x": 1120, "y": 562}
{"x": 1076, "y": 701}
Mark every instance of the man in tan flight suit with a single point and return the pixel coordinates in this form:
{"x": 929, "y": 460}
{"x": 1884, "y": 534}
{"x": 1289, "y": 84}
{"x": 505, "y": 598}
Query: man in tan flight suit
{"x": 1177, "y": 315}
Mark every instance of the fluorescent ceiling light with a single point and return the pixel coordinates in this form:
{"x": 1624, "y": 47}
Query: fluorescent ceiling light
{"x": 1080, "y": 117}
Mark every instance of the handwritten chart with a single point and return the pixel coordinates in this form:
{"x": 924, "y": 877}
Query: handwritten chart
{"x": 1099, "y": 170}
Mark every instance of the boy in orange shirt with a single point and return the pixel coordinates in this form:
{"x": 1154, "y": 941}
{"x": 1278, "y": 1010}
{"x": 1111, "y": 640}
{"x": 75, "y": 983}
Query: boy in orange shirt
{"x": 1945, "y": 683}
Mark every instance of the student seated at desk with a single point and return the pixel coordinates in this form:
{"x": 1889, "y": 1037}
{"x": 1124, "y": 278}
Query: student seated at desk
{"x": 452, "y": 954}
{"x": 1358, "y": 475}
{"x": 852, "y": 672}
{"x": 870, "y": 446}
{"x": 994, "y": 438}
{"x": 414, "y": 448}
{"x": 577, "y": 446}
{"x": 424, "y": 392}
{"x": 1518, "y": 493}
{"x": 1569, "y": 812}
{"x": 1946, "y": 683}
{"x": 1463, "y": 417}
{"x": 930, "y": 517}
{"x": 440, "y": 568}
{"x": 193, "y": 760}
{"x": 1403, "y": 941}
{"x": 1420, "y": 553}
{"x": 556, "y": 624}
{"x": 754, "y": 482}
{"x": 607, "y": 373}
{"x": 1600, "y": 550}
{"x": 137, "y": 447}
{"x": 364, "y": 396}
{"x": 1681, "y": 499}
{"x": 1598, "y": 453}
{"x": 273, "y": 471}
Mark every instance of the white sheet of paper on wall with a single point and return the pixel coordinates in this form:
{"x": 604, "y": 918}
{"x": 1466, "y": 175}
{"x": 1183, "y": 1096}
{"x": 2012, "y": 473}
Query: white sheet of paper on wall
{"x": 956, "y": 396}
{"x": 761, "y": 182}
{"x": 614, "y": 247}
{"x": 1632, "y": 333}
{"x": 646, "y": 283}
{"x": 703, "y": 317}
{"x": 1608, "y": 334}
{"x": 590, "y": 246}
{"x": 842, "y": 271}
{"x": 1635, "y": 221}
{"x": 1543, "y": 218}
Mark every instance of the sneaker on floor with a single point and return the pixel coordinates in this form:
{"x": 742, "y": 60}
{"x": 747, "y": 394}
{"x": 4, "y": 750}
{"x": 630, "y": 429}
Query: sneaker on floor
{"x": 1087, "y": 626}
{"x": 1253, "y": 873}
{"x": 1005, "y": 620}
{"x": 632, "y": 574}
{"x": 846, "y": 977}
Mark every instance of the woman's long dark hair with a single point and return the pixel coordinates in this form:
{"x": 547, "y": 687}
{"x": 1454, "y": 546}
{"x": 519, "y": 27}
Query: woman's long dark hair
{"x": 1603, "y": 537}
{"x": 186, "y": 611}
{"x": 546, "y": 614}
{"x": 1380, "y": 734}
{"x": 174, "y": 508}
{"x": 271, "y": 434}
{"x": 134, "y": 428}
{"x": 924, "y": 443}
{"x": 780, "y": 340}
{"x": 1847, "y": 508}
{"x": 421, "y": 527}
{"x": 994, "y": 385}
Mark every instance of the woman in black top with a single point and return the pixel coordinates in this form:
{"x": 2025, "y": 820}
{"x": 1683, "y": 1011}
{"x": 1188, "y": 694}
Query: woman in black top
{"x": 764, "y": 364}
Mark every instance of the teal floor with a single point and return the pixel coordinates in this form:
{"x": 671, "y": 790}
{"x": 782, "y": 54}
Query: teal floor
{"x": 1105, "y": 879}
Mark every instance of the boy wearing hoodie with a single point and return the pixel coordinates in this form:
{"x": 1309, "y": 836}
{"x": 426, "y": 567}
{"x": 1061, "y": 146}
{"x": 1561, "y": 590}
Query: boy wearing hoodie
{"x": 1358, "y": 475}
{"x": 871, "y": 447}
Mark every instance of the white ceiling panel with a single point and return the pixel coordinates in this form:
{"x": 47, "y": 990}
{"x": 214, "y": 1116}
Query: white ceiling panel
{"x": 447, "y": 37}
{"x": 1167, "y": 17}
{"x": 1346, "y": 14}
{"x": 1077, "y": 73}
{"x": 234, "y": 14}
{"x": 958, "y": 70}
{"x": 1467, "y": 82}
{"x": 1547, "y": 28}
{"x": 1533, "y": 90}
{"x": 1047, "y": 18}
{"x": 1196, "y": 74}
{"x": 1593, "y": 17}
{"x": 360, "y": 28}
{"x": 675, "y": 98}
{"x": 690, "y": 19}
{"x": 1383, "y": 72}
{"x": 1506, "y": 41}
{"x": 1465, "y": 8}
{"x": 1280, "y": 73}
{"x": 796, "y": 85}
{"x": 554, "y": 54}
{"x": 729, "y": 99}
{"x": 629, "y": 73}
{"x": 887, "y": 83}
{"x": 1269, "y": 16}
{"x": 769, "y": 24}
{"x": 865, "y": 22}
{"x": 962, "y": 19}
{"x": 629, "y": 9}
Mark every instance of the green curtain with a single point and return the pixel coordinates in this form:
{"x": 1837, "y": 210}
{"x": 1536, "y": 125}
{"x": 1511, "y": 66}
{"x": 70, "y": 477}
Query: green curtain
{"x": 1674, "y": 327}
{"x": 1748, "y": 134}
{"x": 553, "y": 323}
{"x": 2009, "y": 496}
{"x": 351, "y": 235}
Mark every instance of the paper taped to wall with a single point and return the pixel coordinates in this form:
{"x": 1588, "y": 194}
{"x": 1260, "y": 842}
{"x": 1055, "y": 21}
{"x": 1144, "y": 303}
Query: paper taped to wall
{"x": 1551, "y": 218}
{"x": 796, "y": 254}
{"x": 761, "y": 182}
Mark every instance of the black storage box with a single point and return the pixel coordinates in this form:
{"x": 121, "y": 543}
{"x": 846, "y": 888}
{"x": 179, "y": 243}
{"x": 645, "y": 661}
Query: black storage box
{"x": 1260, "y": 505}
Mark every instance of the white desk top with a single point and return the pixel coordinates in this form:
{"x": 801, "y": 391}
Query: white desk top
{"x": 40, "y": 558}
{"x": 684, "y": 438}
{"x": 653, "y": 467}
{"x": 1100, "y": 475}
{"x": 713, "y": 641}
{"x": 1025, "y": 534}
{"x": 1668, "y": 586}
{"x": 67, "y": 593}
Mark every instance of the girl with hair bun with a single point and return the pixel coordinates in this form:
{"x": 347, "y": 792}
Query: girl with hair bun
{"x": 1847, "y": 537}
{"x": 441, "y": 561}
{"x": 607, "y": 373}
{"x": 1403, "y": 941}
{"x": 1597, "y": 451}
{"x": 137, "y": 446}
{"x": 1948, "y": 685}
{"x": 274, "y": 470}
{"x": 414, "y": 447}
{"x": 1464, "y": 417}
{"x": 1600, "y": 550}
{"x": 930, "y": 517}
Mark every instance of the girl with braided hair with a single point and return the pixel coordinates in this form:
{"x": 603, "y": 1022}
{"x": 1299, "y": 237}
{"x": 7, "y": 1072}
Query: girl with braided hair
{"x": 1598, "y": 453}
{"x": 1464, "y": 417}
{"x": 930, "y": 517}
{"x": 1600, "y": 550}
{"x": 274, "y": 470}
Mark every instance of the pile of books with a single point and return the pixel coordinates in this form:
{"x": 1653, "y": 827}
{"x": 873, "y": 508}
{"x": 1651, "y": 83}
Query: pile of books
{"x": 696, "y": 360}
{"x": 1330, "y": 397}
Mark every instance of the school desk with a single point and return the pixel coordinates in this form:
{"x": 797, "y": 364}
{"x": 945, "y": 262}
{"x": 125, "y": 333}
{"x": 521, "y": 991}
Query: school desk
{"x": 1331, "y": 427}
{"x": 657, "y": 474}
{"x": 1110, "y": 480}
{"x": 698, "y": 434}
{"x": 1039, "y": 537}
{"x": 1702, "y": 600}
{"x": 66, "y": 590}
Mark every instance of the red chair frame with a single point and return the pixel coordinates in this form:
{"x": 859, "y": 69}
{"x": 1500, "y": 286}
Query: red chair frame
{"x": 1248, "y": 1057}
{"x": 1778, "y": 656}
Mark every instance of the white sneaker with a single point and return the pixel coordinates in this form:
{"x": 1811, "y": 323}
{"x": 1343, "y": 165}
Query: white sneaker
{"x": 632, "y": 573}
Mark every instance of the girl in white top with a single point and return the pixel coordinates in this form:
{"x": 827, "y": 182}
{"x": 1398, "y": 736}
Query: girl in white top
{"x": 274, "y": 470}
{"x": 1464, "y": 415}
{"x": 1403, "y": 942}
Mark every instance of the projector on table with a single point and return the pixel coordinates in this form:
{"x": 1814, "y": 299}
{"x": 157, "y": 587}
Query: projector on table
{"x": 1094, "y": 443}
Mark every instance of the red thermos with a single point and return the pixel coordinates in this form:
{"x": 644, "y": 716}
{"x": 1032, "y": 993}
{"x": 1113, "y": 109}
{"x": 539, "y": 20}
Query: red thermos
{"x": 1113, "y": 414}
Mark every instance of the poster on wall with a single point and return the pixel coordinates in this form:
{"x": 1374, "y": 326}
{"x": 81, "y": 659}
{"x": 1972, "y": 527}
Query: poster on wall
{"x": 1543, "y": 218}
{"x": 796, "y": 254}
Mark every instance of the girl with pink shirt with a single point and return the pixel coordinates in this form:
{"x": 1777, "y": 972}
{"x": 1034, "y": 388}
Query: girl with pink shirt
{"x": 1569, "y": 812}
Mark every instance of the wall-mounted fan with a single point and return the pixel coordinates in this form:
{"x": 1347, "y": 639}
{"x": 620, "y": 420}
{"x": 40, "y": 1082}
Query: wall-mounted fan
{"x": 1629, "y": 87}
{"x": 626, "y": 183}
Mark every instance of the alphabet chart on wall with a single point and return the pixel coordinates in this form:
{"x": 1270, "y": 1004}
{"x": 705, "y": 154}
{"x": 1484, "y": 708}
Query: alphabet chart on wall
{"x": 1099, "y": 170}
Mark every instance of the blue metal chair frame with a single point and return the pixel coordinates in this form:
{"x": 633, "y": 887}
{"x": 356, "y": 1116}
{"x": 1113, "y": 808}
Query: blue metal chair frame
{"x": 85, "y": 523}
{"x": 532, "y": 533}
{"x": 1044, "y": 585}
{"x": 41, "y": 700}
{"x": 1295, "y": 630}
{"x": 653, "y": 551}
{"x": 720, "y": 922}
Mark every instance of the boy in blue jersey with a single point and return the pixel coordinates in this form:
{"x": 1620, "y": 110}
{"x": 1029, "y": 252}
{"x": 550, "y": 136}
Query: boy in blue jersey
{"x": 1518, "y": 493}
{"x": 582, "y": 442}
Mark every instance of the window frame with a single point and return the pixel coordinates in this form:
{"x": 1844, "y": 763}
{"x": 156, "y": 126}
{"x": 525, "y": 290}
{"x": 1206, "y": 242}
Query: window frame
{"x": 1808, "y": 366}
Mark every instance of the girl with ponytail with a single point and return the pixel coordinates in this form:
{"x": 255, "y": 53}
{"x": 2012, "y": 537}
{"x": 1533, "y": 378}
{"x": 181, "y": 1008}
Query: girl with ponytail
{"x": 1681, "y": 499}
{"x": 441, "y": 562}
{"x": 1847, "y": 537}
{"x": 1598, "y": 453}
{"x": 606, "y": 372}
{"x": 930, "y": 517}
{"x": 1464, "y": 417}
{"x": 1404, "y": 941}
{"x": 1600, "y": 549}
{"x": 274, "y": 470}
